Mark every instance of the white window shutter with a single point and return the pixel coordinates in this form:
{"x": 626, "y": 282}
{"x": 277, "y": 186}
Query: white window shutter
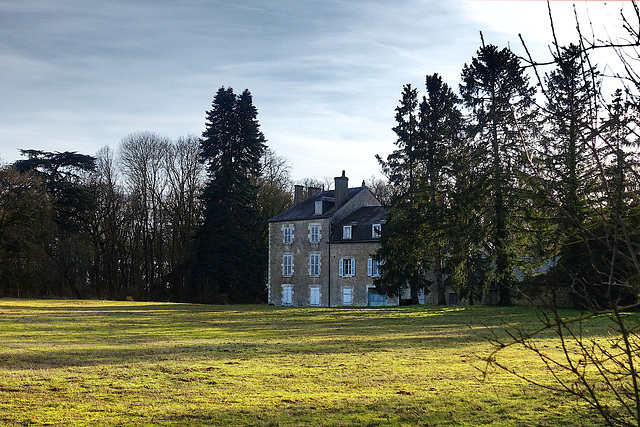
{"x": 353, "y": 266}
{"x": 370, "y": 267}
{"x": 341, "y": 268}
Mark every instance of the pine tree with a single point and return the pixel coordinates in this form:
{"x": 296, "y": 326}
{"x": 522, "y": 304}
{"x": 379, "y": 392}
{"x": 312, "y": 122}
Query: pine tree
{"x": 497, "y": 92}
{"x": 439, "y": 127}
{"x": 571, "y": 111}
{"x": 401, "y": 248}
{"x": 414, "y": 235}
{"x": 228, "y": 264}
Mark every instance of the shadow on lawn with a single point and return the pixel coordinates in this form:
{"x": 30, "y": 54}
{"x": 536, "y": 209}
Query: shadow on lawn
{"x": 231, "y": 352}
{"x": 92, "y": 333}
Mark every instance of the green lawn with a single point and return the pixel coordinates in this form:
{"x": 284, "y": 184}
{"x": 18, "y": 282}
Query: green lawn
{"x": 125, "y": 363}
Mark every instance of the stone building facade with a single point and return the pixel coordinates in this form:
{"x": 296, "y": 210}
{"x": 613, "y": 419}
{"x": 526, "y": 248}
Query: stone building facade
{"x": 321, "y": 250}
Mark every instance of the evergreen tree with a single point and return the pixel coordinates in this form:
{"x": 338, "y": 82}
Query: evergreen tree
{"x": 497, "y": 92}
{"x": 228, "y": 265}
{"x": 571, "y": 111}
{"x": 401, "y": 248}
{"x": 26, "y": 234}
{"x": 440, "y": 126}
{"x": 414, "y": 235}
{"x": 65, "y": 176}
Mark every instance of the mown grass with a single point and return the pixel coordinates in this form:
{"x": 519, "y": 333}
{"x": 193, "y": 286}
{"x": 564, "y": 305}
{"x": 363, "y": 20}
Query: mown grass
{"x": 125, "y": 363}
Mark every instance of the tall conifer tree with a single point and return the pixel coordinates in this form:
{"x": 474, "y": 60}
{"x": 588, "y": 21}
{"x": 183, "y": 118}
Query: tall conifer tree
{"x": 571, "y": 114}
{"x": 497, "y": 92}
{"x": 415, "y": 233}
{"x": 229, "y": 264}
{"x": 439, "y": 126}
{"x": 401, "y": 249}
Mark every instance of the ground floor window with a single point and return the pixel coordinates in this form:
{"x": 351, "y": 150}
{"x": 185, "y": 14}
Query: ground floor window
{"x": 346, "y": 296}
{"x": 314, "y": 296}
{"x": 374, "y": 299}
{"x": 287, "y": 295}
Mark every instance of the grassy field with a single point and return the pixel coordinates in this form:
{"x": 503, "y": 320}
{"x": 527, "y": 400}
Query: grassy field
{"x": 74, "y": 363}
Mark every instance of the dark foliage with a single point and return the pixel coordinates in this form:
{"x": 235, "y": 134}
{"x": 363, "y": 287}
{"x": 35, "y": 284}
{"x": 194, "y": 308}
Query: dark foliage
{"x": 229, "y": 259}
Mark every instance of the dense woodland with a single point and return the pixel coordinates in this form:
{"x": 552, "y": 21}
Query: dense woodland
{"x": 136, "y": 222}
{"x": 523, "y": 184}
{"x": 525, "y": 165}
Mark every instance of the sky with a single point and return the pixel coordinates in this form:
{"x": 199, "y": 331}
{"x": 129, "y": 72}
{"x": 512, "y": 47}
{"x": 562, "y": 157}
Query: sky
{"x": 325, "y": 75}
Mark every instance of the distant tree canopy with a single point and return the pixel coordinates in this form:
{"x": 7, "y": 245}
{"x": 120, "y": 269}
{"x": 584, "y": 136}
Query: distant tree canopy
{"x": 126, "y": 222}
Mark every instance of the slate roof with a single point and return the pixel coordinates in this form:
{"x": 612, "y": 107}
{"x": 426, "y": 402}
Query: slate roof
{"x": 361, "y": 222}
{"x": 307, "y": 209}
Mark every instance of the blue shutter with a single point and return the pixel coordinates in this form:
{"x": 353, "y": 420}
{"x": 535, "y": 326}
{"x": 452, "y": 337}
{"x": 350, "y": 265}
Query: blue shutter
{"x": 341, "y": 268}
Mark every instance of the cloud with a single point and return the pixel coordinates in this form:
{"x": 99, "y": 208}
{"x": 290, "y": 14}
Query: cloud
{"x": 325, "y": 75}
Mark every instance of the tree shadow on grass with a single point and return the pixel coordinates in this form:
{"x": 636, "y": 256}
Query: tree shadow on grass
{"x": 81, "y": 333}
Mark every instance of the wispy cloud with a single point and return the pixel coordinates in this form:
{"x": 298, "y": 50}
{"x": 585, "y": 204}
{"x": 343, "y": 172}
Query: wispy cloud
{"x": 325, "y": 75}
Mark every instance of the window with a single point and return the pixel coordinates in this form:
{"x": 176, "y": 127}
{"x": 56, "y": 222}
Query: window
{"x": 346, "y": 296}
{"x": 287, "y": 265}
{"x": 287, "y": 234}
{"x": 314, "y": 233}
{"x": 318, "y": 207}
{"x": 373, "y": 267}
{"x": 376, "y": 230}
{"x": 346, "y": 232}
{"x": 347, "y": 267}
{"x": 314, "y": 265}
{"x": 314, "y": 296}
{"x": 287, "y": 295}
{"x": 374, "y": 299}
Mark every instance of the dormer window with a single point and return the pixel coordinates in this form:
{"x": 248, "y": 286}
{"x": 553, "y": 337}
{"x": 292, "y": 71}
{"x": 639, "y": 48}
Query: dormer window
{"x": 376, "y": 230}
{"x": 318, "y": 207}
{"x": 346, "y": 232}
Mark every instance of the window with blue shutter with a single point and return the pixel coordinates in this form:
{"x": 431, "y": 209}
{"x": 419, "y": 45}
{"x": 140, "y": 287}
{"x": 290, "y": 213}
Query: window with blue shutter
{"x": 314, "y": 265}
{"x": 347, "y": 267}
{"x": 287, "y": 265}
{"x": 373, "y": 267}
{"x": 287, "y": 234}
{"x": 314, "y": 296}
{"x": 314, "y": 233}
{"x": 287, "y": 295}
{"x": 347, "y": 297}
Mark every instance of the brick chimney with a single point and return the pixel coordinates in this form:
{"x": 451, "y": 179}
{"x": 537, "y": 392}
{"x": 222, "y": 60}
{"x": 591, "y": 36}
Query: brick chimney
{"x": 341, "y": 186}
{"x": 313, "y": 191}
{"x": 298, "y": 194}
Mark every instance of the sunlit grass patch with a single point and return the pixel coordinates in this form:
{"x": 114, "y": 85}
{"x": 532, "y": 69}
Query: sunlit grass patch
{"x": 126, "y": 363}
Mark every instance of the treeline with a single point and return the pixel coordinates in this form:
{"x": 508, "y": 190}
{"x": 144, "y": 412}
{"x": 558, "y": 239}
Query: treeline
{"x": 522, "y": 183}
{"x": 126, "y": 222}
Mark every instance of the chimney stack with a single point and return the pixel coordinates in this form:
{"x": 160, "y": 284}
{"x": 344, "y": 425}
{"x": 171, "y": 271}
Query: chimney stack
{"x": 341, "y": 185}
{"x": 313, "y": 191}
{"x": 298, "y": 194}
